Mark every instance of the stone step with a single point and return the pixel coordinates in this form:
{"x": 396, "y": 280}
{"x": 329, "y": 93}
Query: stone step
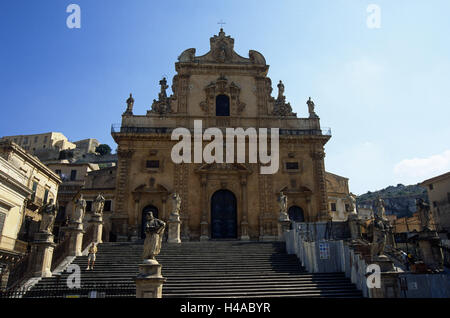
{"x": 205, "y": 269}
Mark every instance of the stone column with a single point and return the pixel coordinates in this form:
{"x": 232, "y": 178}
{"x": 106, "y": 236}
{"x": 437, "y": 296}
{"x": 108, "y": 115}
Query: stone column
{"x": 96, "y": 222}
{"x": 204, "y": 223}
{"x": 283, "y": 224}
{"x": 354, "y": 226}
{"x": 149, "y": 282}
{"x": 430, "y": 250}
{"x": 389, "y": 286}
{"x": 76, "y": 232}
{"x": 244, "y": 208}
{"x": 43, "y": 246}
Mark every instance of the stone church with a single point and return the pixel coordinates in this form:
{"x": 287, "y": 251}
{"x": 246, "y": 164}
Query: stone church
{"x": 219, "y": 200}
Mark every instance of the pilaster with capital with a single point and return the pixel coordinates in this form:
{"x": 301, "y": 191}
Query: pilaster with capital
{"x": 204, "y": 235}
{"x": 244, "y": 207}
{"x": 320, "y": 185}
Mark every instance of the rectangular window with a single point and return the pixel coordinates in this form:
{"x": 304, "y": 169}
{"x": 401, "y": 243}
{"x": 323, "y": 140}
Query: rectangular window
{"x": 434, "y": 204}
{"x": 2, "y": 221}
{"x": 448, "y": 197}
{"x": 25, "y": 140}
{"x": 347, "y": 208}
{"x": 333, "y": 206}
{"x": 73, "y": 175}
{"x": 35, "y": 139}
{"x": 88, "y": 206}
{"x": 107, "y": 205}
{"x": 291, "y": 165}
{"x": 430, "y": 186}
{"x": 34, "y": 188}
{"x": 45, "y": 196}
{"x": 58, "y": 172}
{"x": 152, "y": 164}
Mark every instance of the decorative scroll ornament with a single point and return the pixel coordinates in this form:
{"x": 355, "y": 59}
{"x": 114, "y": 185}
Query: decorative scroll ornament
{"x": 281, "y": 108}
{"x": 221, "y": 86}
{"x": 162, "y": 105}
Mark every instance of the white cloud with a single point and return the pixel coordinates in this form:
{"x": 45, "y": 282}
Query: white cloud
{"x": 415, "y": 170}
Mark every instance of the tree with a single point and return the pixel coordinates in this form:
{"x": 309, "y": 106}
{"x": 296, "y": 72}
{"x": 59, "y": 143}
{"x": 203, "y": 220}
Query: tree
{"x": 103, "y": 149}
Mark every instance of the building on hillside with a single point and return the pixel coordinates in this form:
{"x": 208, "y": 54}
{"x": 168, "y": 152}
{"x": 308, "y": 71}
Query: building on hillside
{"x": 219, "y": 200}
{"x": 438, "y": 190}
{"x": 26, "y": 185}
{"x": 87, "y": 145}
{"x": 339, "y": 203}
{"x": 37, "y": 144}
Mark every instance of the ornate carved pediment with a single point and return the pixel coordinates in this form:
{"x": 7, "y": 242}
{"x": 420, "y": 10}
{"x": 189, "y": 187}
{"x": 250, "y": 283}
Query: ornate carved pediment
{"x": 222, "y": 86}
{"x": 227, "y": 168}
{"x": 297, "y": 190}
{"x": 152, "y": 188}
{"x": 222, "y": 51}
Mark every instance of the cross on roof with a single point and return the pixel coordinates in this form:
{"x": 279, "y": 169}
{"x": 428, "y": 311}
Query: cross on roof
{"x": 221, "y": 23}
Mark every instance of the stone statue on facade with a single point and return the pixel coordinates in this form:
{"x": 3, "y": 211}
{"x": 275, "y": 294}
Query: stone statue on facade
{"x": 80, "y": 209}
{"x": 162, "y": 105}
{"x": 130, "y": 103}
{"x": 48, "y": 213}
{"x": 99, "y": 204}
{"x": 154, "y": 230}
{"x": 282, "y": 201}
{"x": 280, "y": 107}
{"x": 311, "y": 106}
{"x": 424, "y": 213}
{"x": 280, "y": 90}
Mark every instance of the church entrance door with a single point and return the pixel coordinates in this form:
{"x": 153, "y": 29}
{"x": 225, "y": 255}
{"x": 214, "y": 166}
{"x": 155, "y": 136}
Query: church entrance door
{"x": 223, "y": 215}
{"x": 145, "y": 211}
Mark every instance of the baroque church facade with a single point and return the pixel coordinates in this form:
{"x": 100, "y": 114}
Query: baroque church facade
{"x": 219, "y": 200}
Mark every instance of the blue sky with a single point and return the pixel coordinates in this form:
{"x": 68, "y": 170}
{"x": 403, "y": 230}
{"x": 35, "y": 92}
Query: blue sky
{"x": 384, "y": 92}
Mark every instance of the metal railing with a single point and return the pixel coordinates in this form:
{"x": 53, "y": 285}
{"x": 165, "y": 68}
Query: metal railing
{"x": 21, "y": 271}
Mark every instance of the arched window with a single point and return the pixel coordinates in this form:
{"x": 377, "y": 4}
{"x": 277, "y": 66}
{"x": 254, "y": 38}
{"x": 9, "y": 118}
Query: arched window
{"x": 222, "y": 105}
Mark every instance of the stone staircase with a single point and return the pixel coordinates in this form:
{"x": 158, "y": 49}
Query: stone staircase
{"x": 202, "y": 269}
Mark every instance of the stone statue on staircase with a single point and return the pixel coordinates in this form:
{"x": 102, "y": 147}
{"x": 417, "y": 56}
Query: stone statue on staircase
{"x": 154, "y": 230}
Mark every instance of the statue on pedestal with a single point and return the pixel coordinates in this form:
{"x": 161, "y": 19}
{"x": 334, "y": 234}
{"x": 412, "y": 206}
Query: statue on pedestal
{"x": 154, "y": 230}
{"x": 282, "y": 201}
{"x": 424, "y": 212}
{"x": 380, "y": 229}
{"x": 48, "y": 212}
{"x": 176, "y": 204}
{"x": 311, "y": 105}
{"x": 80, "y": 209}
{"x": 99, "y": 204}
{"x": 130, "y": 103}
